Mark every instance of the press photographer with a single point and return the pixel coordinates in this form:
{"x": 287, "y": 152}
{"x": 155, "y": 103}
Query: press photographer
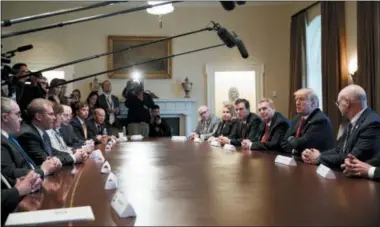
{"x": 139, "y": 104}
{"x": 158, "y": 126}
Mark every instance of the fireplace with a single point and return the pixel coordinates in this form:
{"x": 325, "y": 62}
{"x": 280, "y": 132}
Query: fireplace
{"x": 174, "y": 124}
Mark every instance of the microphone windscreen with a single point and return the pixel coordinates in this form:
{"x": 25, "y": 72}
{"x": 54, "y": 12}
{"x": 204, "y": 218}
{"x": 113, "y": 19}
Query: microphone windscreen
{"x": 240, "y": 2}
{"x": 226, "y": 37}
{"x": 24, "y": 48}
{"x": 228, "y": 5}
{"x": 240, "y": 45}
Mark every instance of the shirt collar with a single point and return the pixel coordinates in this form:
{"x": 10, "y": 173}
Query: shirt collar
{"x": 4, "y": 133}
{"x": 80, "y": 120}
{"x": 40, "y": 131}
{"x": 356, "y": 118}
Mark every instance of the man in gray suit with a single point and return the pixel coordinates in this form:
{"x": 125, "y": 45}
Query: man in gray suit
{"x": 207, "y": 125}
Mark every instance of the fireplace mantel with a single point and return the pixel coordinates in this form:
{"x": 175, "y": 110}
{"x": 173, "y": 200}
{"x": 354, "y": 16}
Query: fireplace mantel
{"x": 170, "y": 108}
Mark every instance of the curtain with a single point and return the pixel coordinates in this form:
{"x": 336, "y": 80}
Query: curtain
{"x": 334, "y": 63}
{"x": 297, "y": 57}
{"x": 368, "y": 44}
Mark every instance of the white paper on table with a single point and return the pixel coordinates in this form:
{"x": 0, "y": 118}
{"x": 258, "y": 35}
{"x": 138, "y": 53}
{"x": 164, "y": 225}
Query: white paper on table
{"x": 179, "y": 138}
{"x": 325, "y": 172}
{"x": 198, "y": 140}
{"x": 50, "y": 216}
{"x": 111, "y": 182}
{"x": 285, "y": 160}
{"x": 97, "y": 156}
{"x": 106, "y": 168}
{"x": 215, "y": 143}
{"x": 229, "y": 147}
{"x": 121, "y": 205}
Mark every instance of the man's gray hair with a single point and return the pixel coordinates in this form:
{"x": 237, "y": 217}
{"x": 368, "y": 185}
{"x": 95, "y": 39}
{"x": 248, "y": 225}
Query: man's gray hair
{"x": 6, "y": 105}
{"x": 355, "y": 93}
{"x": 311, "y": 95}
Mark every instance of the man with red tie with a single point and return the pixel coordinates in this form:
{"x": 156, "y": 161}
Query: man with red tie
{"x": 311, "y": 128}
{"x": 271, "y": 131}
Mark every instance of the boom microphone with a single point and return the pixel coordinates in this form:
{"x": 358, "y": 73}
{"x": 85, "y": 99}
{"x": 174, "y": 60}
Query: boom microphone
{"x": 228, "y": 5}
{"x": 240, "y": 45}
{"x": 11, "y": 53}
{"x": 224, "y": 35}
{"x": 24, "y": 48}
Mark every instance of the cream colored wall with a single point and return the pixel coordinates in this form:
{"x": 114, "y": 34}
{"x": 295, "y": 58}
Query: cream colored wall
{"x": 264, "y": 29}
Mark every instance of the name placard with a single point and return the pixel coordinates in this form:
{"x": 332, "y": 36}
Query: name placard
{"x": 137, "y": 137}
{"x": 229, "y": 147}
{"x": 325, "y": 172}
{"x": 285, "y": 160}
{"x": 215, "y": 143}
{"x": 198, "y": 140}
{"x": 106, "y": 168}
{"x": 97, "y": 156}
{"x": 50, "y": 216}
{"x": 179, "y": 138}
{"x": 111, "y": 182}
{"x": 121, "y": 205}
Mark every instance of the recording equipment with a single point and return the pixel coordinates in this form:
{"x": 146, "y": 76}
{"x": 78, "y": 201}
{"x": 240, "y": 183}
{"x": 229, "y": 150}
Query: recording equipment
{"x": 83, "y": 19}
{"x": 224, "y": 35}
{"x": 240, "y": 45}
{"x": 11, "y": 53}
{"x": 228, "y": 5}
{"x": 6, "y": 23}
{"x": 117, "y": 51}
{"x": 141, "y": 63}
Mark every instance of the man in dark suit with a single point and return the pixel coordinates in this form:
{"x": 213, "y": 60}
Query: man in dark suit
{"x": 247, "y": 127}
{"x": 11, "y": 196}
{"x": 110, "y": 104}
{"x": 311, "y": 128}
{"x": 97, "y": 127}
{"x": 158, "y": 126}
{"x": 272, "y": 129}
{"x": 67, "y": 130}
{"x": 361, "y": 137}
{"x": 79, "y": 121}
{"x": 34, "y": 139}
{"x": 15, "y": 162}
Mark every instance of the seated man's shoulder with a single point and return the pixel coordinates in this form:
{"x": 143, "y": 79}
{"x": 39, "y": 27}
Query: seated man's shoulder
{"x": 318, "y": 116}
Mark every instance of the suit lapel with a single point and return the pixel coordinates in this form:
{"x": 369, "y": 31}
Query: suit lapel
{"x": 355, "y": 128}
{"x": 307, "y": 121}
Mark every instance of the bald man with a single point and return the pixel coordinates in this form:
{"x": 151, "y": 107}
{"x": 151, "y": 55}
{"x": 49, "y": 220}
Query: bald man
{"x": 96, "y": 125}
{"x": 361, "y": 138}
{"x": 207, "y": 125}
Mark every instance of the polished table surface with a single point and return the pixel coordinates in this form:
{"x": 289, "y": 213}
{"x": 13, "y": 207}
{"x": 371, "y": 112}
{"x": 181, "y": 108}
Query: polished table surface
{"x": 182, "y": 183}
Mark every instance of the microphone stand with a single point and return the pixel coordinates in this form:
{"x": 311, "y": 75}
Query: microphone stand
{"x": 9, "y": 22}
{"x": 141, "y": 63}
{"x": 113, "y": 52}
{"x": 83, "y": 19}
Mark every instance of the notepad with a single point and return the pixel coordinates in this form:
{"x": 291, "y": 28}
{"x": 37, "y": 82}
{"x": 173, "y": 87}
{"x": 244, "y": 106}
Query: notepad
{"x": 50, "y": 216}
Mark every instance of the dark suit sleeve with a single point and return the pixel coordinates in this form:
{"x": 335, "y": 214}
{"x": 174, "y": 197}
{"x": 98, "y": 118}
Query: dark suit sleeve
{"x": 32, "y": 147}
{"x": 64, "y": 157}
{"x": 276, "y": 139}
{"x": 8, "y": 167}
{"x": 78, "y": 130}
{"x": 91, "y": 131}
{"x": 376, "y": 176}
{"x": 165, "y": 128}
{"x": 367, "y": 141}
{"x": 10, "y": 199}
{"x": 116, "y": 101}
{"x": 254, "y": 129}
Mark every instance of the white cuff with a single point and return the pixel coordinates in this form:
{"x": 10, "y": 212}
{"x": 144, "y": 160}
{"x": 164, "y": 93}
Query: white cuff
{"x": 73, "y": 157}
{"x": 371, "y": 172}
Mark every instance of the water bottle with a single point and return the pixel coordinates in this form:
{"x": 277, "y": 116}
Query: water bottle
{"x": 124, "y": 131}
{"x": 105, "y": 132}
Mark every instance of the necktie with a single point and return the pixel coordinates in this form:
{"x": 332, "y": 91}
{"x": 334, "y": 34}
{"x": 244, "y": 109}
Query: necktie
{"x": 22, "y": 152}
{"x": 302, "y": 120}
{"x": 111, "y": 119}
{"x": 243, "y": 129}
{"x": 99, "y": 129}
{"x": 266, "y": 133}
{"x": 348, "y": 133}
{"x": 84, "y": 130}
{"x": 47, "y": 144}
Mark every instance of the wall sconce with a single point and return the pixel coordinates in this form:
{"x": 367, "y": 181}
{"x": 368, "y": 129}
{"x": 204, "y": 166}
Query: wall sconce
{"x": 352, "y": 68}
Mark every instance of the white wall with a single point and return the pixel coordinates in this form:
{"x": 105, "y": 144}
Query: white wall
{"x": 264, "y": 29}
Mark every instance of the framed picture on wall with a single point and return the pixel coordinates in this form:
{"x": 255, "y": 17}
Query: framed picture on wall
{"x": 154, "y": 70}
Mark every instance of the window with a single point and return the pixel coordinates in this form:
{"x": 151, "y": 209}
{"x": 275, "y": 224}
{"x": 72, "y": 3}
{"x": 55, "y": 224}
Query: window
{"x": 313, "y": 57}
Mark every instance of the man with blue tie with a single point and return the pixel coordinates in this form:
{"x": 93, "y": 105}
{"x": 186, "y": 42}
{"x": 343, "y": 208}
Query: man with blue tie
{"x": 34, "y": 139}
{"x": 15, "y": 162}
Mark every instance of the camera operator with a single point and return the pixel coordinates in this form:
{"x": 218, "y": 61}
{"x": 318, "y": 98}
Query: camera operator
{"x": 158, "y": 126}
{"x": 139, "y": 104}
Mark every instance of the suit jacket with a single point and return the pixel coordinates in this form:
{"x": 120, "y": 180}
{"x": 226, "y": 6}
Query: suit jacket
{"x": 10, "y": 199}
{"x": 32, "y": 143}
{"x": 277, "y": 130}
{"x": 102, "y": 103}
{"x": 139, "y": 111}
{"x": 211, "y": 126}
{"x": 78, "y": 129}
{"x": 253, "y": 123}
{"x": 92, "y": 130}
{"x": 160, "y": 130}
{"x": 226, "y": 128}
{"x": 376, "y": 177}
{"x": 13, "y": 164}
{"x": 316, "y": 132}
{"x": 363, "y": 142}
{"x": 57, "y": 142}
{"x": 70, "y": 137}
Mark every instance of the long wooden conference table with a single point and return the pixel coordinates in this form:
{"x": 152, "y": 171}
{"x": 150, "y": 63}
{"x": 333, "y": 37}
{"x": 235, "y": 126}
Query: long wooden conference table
{"x": 182, "y": 183}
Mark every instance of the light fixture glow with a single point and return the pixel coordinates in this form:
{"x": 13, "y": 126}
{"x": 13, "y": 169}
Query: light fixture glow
{"x": 160, "y": 10}
{"x": 136, "y": 76}
{"x": 353, "y": 65}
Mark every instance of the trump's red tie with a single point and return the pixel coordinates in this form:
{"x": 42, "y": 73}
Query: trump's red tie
{"x": 302, "y": 120}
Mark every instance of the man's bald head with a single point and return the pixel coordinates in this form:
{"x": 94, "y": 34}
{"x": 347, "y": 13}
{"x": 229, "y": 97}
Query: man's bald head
{"x": 67, "y": 114}
{"x": 351, "y": 100}
{"x": 100, "y": 115}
